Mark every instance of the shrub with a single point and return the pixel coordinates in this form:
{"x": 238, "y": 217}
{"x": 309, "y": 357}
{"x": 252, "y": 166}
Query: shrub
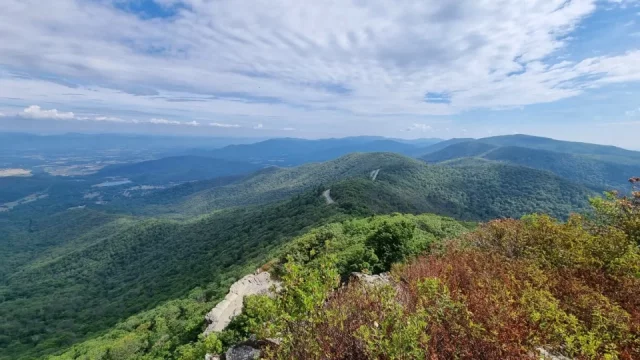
{"x": 391, "y": 242}
{"x": 503, "y": 291}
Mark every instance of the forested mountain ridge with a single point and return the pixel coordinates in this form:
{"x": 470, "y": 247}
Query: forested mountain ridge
{"x": 596, "y": 170}
{"x": 602, "y": 152}
{"x": 434, "y": 188}
{"x": 473, "y": 191}
{"x": 292, "y": 152}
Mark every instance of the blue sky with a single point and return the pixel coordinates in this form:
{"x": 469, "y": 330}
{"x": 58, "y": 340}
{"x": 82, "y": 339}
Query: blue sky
{"x": 400, "y": 68}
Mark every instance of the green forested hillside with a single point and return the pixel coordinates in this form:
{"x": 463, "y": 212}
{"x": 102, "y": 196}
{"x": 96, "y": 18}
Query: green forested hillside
{"x": 472, "y": 191}
{"x": 577, "y": 167}
{"x": 601, "y": 152}
{"x": 533, "y": 288}
{"x": 580, "y": 169}
{"x": 440, "y": 189}
{"x": 140, "y": 337}
{"x": 47, "y": 236}
{"x": 103, "y": 277}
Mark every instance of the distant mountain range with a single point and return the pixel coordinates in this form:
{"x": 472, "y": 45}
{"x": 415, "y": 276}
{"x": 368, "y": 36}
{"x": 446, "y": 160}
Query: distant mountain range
{"x": 597, "y": 166}
{"x": 292, "y": 152}
{"x": 19, "y": 142}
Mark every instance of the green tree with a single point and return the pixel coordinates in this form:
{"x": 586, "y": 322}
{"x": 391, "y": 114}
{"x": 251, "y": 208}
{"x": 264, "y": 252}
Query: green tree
{"x": 391, "y": 242}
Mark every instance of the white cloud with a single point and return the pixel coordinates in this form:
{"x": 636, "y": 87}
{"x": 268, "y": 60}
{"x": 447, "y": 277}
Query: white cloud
{"x": 293, "y": 60}
{"x": 172, "y": 122}
{"x": 164, "y": 122}
{"x": 258, "y": 126}
{"x": 288, "y": 129}
{"x": 222, "y": 125}
{"x": 36, "y": 112}
{"x": 2, "y": 114}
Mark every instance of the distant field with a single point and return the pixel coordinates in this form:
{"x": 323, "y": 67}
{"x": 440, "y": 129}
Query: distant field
{"x": 14, "y": 172}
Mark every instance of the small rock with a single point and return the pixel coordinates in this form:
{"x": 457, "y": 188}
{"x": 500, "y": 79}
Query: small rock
{"x": 251, "y": 349}
{"x": 546, "y": 355}
{"x": 242, "y": 352}
{"x": 211, "y": 357}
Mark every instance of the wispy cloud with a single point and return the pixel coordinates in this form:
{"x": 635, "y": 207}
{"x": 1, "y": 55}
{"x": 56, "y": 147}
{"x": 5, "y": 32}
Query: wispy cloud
{"x": 634, "y": 112}
{"x": 111, "y": 119}
{"x": 258, "y": 126}
{"x": 221, "y": 125}
{"x": 172, "y": 122}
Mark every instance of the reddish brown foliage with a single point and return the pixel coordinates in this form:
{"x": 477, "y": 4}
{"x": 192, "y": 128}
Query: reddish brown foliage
{"x": 480, "y": 281}
{"x": 502, "y": 292}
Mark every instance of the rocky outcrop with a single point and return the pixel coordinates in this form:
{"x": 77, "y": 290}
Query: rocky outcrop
{"x": 371, "y": 280}
{"x": 221, "y": 315}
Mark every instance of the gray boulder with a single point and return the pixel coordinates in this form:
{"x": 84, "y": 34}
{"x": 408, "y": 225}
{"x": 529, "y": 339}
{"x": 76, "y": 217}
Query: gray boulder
{"x": 242, "y": 352}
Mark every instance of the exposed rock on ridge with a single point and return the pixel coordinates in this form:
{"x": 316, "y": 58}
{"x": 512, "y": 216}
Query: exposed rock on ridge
{"x": 221, "y": 315}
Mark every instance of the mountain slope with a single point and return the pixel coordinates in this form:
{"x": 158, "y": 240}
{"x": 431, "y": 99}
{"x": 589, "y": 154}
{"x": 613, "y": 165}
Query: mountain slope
{"x": 134, "y": 338}
{"x": 64, "y": 296}
{"x": 177, "y": 169}
{"x": 459, "y": 150}
{"x": 584, "y": 169}
{"x": 601, "y": 152}
{"x": 87, "y": 282}
{"x": 431, "y": 186}
{"x": 581, "y": 169}
{"x": 478, "y": 191}
{"x": 424, "y": 150}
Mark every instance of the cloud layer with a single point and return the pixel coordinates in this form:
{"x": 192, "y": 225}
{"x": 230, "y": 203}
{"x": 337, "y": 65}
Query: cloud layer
{"x": 298, "y": 61}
